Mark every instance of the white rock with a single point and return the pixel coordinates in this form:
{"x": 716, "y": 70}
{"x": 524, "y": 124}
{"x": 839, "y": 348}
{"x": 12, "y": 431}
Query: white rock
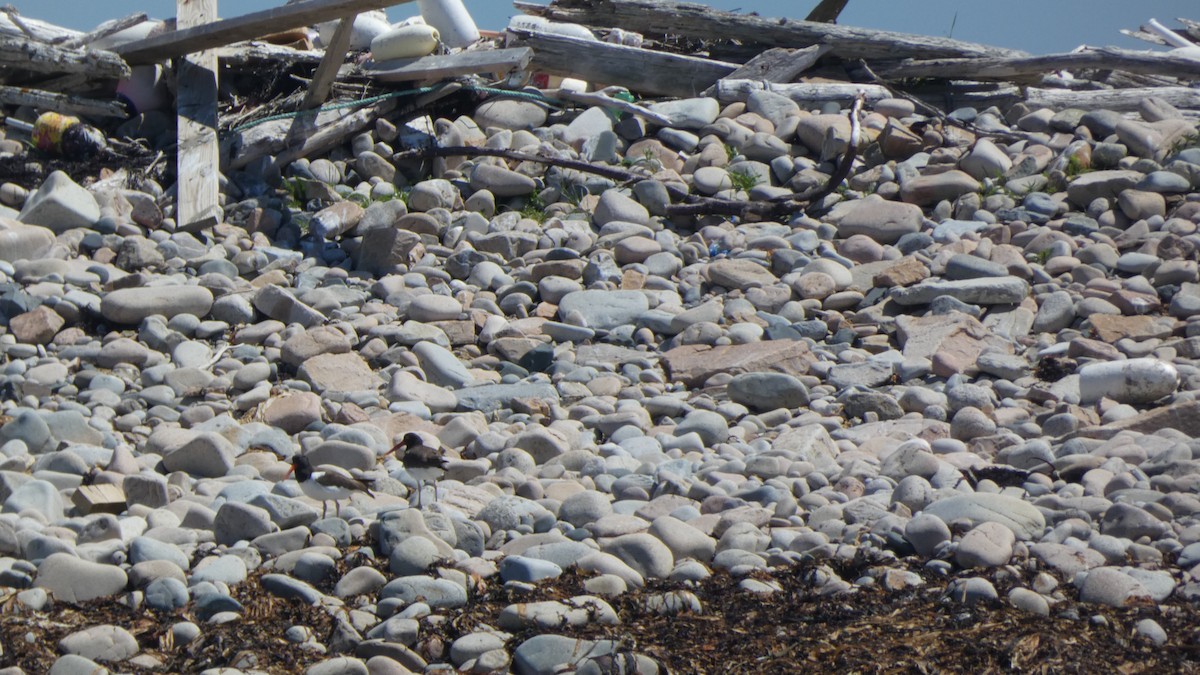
{"x": 1131, "y": 381}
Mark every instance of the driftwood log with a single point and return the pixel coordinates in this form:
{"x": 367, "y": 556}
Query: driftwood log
{"x": 641, "y": 70}
{"x": 1032, "y": 67}
{"x": 24, "y": 55}
{"x": 701, "y": 22}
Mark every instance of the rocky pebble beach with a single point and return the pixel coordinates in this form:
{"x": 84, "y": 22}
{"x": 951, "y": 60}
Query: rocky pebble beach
{"x": 972, "y": 368}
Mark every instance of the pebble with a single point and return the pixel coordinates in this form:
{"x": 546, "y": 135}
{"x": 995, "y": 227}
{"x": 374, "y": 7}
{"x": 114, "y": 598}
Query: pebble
{"x": 929, "y": 365}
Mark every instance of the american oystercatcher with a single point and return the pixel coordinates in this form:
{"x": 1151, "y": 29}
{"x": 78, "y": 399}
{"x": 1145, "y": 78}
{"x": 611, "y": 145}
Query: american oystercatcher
{"x": 327, "y": 483}
{"x": 424, "y": 463}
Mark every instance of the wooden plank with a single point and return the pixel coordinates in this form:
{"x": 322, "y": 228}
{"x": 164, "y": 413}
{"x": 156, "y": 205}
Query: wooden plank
{"x": 99, "y": 498}
{"x": 196, "y": 108}
{"x": 449, "y": 65}
{"x": 777, "y": 65}
{"x": 640, "y": 70}
{"x": 335, "y": 56}
{"x": 62, "y": 103}
{"x": 12, "y": 23}
{"x": 663, "y": 17}
{"x": 1102, "y": 58}
{"x": 23, "y": 54}
{"x": 245, "y": 27}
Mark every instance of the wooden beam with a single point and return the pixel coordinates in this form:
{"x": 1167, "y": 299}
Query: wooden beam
{"x": 62, "y": 103}
{"x": 335, "y": 56}
{"x": 196, "y": 205}
{"x": 23, "y": 54}
{"x": 1101, "y": 58}
{"x": 663, "y": 17}
{"x": 245, "y": 27}
{"x": 449, "y": 65}
{"x": 641, "y": 70}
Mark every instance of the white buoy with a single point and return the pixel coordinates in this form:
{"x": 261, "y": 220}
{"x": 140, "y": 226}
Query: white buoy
{"x": 452, "y": 20}
{"x": 405, "y": 42}
{"x": 538, "y": 24}
{"x": 367, "y": 27}
{"x": 1130, "y": 381}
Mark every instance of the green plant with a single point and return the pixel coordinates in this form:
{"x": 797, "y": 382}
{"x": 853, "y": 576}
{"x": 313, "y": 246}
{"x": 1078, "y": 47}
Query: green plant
{"x": 534, "y": 208}
{"x": 730, "y": 151}
{"x": 743, "y": 180}
{"x": 1042, "y": 256}
{"x": 294, "y": 192}
{"x": 1075, "y": 166}
{"x": 1185, "y": 142}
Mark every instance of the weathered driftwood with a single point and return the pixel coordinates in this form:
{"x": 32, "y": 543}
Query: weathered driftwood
{"x": 601, "y": 99}
{"x": 807, "y": 92}
{"x": 103, "y": 31}
{"x": 12, "y": 23}
{"x": 449, "y": 65}
{"x": 244, "y": 53}
{"x": 1111, "y": 99}
{"x": 246, "y": 27}
{"x": 640, "y": 70}
{"x": 327, "y": 71}
{"x": 329, "y": 137}
{"x": 309, "y": 134}
{"x": 23, "y": 54}
{"x": 62, "y": 103}
{"x": 197, "y": 189}
{"x": 776, "y": 65}
{"x": 660, "y": 17}
{"x": 1103, "y": 58}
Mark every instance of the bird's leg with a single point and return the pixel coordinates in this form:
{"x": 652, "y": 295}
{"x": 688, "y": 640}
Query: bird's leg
{"x": 337, "y": 505}
{"x": 324, "y": 508}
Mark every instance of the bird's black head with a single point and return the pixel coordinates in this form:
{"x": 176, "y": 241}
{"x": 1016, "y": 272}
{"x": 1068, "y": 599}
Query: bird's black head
{"x": 301, "y": 467}
{"x": 412, "y": 440}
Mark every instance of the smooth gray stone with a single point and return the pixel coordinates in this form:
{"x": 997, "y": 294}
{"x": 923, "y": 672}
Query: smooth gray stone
{"x": 768, "y": 391}
{"x": 236, "y": 522}
{"x": 142, "y": 549}
{"x": 227, "y": 569}
{"x": 73, "y": 664}
{"x": 529, "y": 570}
{"x": 37, "y": 495}
{"x": 545, "y": 654}
{"x": 437, "y": 593}
{"x": 605, "y": 310}
{"x": 1023, "y": 518}
{"x": 167, "y": 594}
{"x": 989, "y": 291}
{"x": 492, "y": 397}
{"x": 291, "y": 589}
{"x": 72, "y": 579}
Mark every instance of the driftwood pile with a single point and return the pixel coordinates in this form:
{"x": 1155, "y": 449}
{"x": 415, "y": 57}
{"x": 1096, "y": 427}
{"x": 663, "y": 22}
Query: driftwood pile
{"x": 683, "y": 50}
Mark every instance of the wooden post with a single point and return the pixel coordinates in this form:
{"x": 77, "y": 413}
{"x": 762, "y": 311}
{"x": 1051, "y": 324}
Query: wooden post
{"x": 196, "y": 108}
{"x": 335, "y": 54}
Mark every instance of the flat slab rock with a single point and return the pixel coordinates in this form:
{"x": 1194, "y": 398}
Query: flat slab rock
{"x": 987, "y": 291}
{"x": 694, "y": 364}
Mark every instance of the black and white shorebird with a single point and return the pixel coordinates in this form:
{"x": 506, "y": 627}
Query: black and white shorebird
{"x": 327, "y": 483}
{"x": 424, "y": 462}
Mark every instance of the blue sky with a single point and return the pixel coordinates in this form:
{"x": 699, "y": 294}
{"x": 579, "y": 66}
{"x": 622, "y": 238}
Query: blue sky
{"x": 1039, "y": 27}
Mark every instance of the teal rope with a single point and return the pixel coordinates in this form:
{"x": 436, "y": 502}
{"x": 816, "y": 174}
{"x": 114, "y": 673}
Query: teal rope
{"x": 493, "y": 91}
